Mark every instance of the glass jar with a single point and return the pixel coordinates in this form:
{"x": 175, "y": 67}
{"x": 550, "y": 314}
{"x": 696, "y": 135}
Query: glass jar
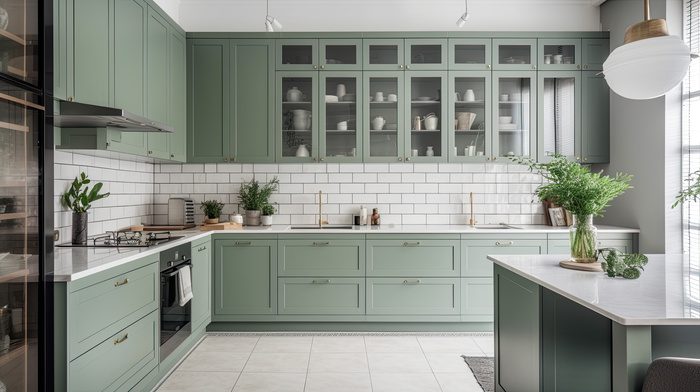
{"x": 584, "y": 237}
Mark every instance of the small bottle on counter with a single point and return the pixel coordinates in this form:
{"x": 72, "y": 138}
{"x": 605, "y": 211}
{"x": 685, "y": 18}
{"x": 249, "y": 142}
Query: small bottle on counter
{"x": 363, "y": 216}
{"x": 375, "y": 217}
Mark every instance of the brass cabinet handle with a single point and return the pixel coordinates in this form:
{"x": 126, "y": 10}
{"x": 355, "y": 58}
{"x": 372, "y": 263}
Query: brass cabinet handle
{"x": 243, "y": 243}
{"x": 121, "y": 282}
{"x": 71, "y": 99}
{"x": 321, "y": 281}
{"x": 323, "y": 67}
{"x": 232, "y": 159}
{"x": 121, "y": 339}
{"x": 504, "y": 243}
{"x": 202, "y": 249}
{"x": 417, "y": 243}
{"x": 417, "y": 281}
{"x": 326, "y": 243}
{"x": 578, "y": 158}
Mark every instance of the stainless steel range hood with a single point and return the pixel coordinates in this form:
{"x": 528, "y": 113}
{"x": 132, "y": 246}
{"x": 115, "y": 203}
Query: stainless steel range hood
{"x": 81, "y": 115}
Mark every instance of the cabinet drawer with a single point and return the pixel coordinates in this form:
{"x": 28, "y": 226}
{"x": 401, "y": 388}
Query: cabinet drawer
{"x": 111, "y": 303}
{"x": 321, "y": 296}
{"x": 321, "y": 257}
{"x": 113, "y": 362}
{"x": 477, "y": 299}
{"x": 413, "y": 296}
{"x": 399, "y": 258}
{"x": 475, "y": 252}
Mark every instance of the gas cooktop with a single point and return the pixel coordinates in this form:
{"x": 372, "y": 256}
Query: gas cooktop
{"x": 126, "y": 239}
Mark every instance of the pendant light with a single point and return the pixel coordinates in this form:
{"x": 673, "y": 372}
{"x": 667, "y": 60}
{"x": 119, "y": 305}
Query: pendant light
{"x": 271, "y": 23}
{"x": 650, "y": 63}
{"x": 463, "y": 19}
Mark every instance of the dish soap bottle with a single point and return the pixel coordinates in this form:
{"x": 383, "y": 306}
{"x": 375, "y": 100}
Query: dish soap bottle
{"x": 363, "y": 216}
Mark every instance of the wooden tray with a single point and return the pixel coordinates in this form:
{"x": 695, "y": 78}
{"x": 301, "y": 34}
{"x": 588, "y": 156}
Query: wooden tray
{"x": 221, "y": 226}
{"x": 157, "y": 228}
{"x": 589, "y": 267}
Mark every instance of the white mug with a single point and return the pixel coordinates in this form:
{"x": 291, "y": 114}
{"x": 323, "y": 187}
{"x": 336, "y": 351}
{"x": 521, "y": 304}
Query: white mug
{"x": 340, "y": 91}
{"x": 379, "y": 96}
{"x": 343, "y": 126}
{"x": 378, "y": 123}
{"x": 504, "y": 97}
{"x": 392, "y": 98}
{"x": 414, "y": 153}
{"x": 469, "y": 96}
{"x": 470, "y": 151}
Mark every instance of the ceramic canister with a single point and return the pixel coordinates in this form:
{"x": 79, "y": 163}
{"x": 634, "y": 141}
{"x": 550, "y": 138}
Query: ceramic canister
{"x": 340, "y": 91}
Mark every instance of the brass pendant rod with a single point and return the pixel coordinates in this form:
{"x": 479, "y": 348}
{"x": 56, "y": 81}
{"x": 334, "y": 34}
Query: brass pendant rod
{"x": 647, "y": 10}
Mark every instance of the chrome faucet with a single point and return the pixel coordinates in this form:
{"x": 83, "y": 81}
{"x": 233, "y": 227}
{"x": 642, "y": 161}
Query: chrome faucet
{"x": 472, "y": 221}
{"x": 321, "y": 222}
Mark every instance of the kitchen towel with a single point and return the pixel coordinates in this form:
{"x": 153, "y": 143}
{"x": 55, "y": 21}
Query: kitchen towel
{"x": 184, "y": 285}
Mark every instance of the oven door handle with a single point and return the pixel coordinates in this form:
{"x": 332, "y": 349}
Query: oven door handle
{"x": 175, "y": 270}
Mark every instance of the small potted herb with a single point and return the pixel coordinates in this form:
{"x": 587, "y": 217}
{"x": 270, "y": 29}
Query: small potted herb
{"x": 267, "y": 211}
{"x": 253, "y": 197}
{"x": 79, "y": 198}
{"x": 212, "y": 210}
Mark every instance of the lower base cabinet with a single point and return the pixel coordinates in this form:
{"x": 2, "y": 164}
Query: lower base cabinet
{"x": 321, "y": 296}
{"x": 477, "y": 299}
{"x": 201, "y": 278}
{"x": 413, "y": 296}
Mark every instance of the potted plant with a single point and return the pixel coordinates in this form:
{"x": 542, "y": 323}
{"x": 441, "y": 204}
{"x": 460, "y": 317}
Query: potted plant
{"x": 79, "y": 198}
{"x": 212, "y": 210}
{"x": 583, "y": 193}
{"x": 267, "y": 211}
{"x": 253, "y": 197}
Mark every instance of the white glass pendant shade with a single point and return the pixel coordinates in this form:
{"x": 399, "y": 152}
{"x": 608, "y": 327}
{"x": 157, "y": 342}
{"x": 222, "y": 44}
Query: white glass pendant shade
{"x": 647, "y": 68}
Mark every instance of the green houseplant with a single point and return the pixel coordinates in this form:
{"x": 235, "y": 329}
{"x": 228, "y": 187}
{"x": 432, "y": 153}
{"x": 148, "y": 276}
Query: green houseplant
{"x": 267, "y": 211}
{"x": 583, "y": 193}
{"x": 253, "y": 196}
{"x": 212, "y": 210}
{"x": 79, "y": 198}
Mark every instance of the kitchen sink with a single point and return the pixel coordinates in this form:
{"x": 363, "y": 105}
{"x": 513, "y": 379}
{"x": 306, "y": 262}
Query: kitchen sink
{"x": 500, "y": 226}
{"x": 324, "y": 227}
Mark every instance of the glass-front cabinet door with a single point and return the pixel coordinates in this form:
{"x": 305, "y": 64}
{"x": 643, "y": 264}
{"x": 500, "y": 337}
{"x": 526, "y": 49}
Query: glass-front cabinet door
{"x": 426, "y": 113}
{"x": 469, "y": 116}
{"x": 383, "y": 123}
{"x": 559, "y": 54}
{"x": 20, "y": 38}
{"x": 426, "y": 54}
{"x": 514, "y": 114}
{"x": 297, "y": 54}
{"x": 383, "y": 54}
{"x": 559, "y": 114}
{"x": 515, "y": 54}
{"x": 340, "y": 54}
{"x": 340, "y": 117}
{"x": 297, "y": 128}
{"x": 469, "y": 54}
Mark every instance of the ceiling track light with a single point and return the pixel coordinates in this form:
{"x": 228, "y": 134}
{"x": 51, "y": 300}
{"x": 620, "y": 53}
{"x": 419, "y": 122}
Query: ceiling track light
{"x": 463, "y": 19}
{"x": 271, "y": 23}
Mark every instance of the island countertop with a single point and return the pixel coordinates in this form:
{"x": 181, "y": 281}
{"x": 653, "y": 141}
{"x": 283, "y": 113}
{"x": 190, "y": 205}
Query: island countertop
{"x": 667, "y": 292}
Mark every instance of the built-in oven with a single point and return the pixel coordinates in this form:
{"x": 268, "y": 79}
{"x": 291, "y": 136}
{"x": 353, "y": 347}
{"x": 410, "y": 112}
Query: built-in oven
{"x": 175, "y": 319}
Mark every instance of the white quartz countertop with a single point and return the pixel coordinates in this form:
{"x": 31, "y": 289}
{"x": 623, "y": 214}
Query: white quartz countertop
{"x": 72, "y": 263}
{"x": 667, "y": 293}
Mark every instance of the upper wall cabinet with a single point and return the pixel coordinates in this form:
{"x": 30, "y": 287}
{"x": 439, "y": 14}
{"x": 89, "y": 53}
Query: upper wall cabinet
{"x": 383, "y": 54}
{"x": 559, "y": 54}
{"x": 470, "y": 127}
{"x": 297, "y": 54}
{"x": 559, "y": 114}
{"x": 383, "y": 120}
{"x": 92, "y": 57}
{"x": 595, "y": 118}
{"x": 594, "y": 53}
{"x": 469, "y": 54}
{"x": 340, "y": 54}
{"x": 331, "y": 54}
{"x": 515, "y": 54}
{"x": 297, "y": 122}
{"x": 515, "y": 115}
{"x": 157, "y": 89}
{"x": 426, "y": 54}
{"x": 177, "y": 99}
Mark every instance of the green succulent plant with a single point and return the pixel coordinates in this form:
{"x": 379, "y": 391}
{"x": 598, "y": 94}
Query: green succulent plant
{"x": 79, "y": 197}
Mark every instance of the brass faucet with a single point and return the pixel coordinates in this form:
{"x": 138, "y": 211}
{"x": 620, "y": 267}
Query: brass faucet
{"x": 472, "y": 221}
{"x": 321, "y": 222}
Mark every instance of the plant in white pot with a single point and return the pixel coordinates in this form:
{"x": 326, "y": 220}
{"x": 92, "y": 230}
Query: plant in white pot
{"x": 583, "y": 193}
{"x": 253, "y": 197}
{"x": 79, "y": 198}
{"x": 212, "y": 209}
{"x": 267, "y": 211}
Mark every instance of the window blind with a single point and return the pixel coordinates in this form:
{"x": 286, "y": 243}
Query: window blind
{"x": 691, "y": 128}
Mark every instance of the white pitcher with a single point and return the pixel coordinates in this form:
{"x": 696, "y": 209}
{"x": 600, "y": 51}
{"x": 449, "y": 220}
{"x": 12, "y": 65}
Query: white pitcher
{"x": 378, "y": 123}
{"x": 340, "y": 91}
{"x": 431, "y": 122}
{"x": 294, "y": 95}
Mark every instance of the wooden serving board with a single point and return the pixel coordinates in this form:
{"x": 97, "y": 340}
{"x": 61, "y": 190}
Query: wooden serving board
{"x": 221, "y": 226}
{"x": 589, "y": 267}
{"x": 157, "y": 228}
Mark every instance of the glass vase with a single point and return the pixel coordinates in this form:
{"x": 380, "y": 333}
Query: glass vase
{"x": 583, "y": 236}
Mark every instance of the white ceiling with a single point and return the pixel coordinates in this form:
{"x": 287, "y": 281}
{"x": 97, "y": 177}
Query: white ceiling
{"x": 385, "y": 15}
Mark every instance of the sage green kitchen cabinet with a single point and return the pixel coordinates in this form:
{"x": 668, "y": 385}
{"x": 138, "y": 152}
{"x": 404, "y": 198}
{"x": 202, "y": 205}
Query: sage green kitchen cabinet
{"x": 297, "y": 124}
{"x": 514, "y": 115}
{"x": 413, "y": 296}
{"x": 340, "y": 54}
{"x": 477, "y": 299}
{"x": 594, "y": 53}
{"x": 208, "y": 105}
{"x": 426, "y": 96}
{"x": 560, "y": 243}
{"x": 245, "y": 277}
{"x": 383, "y": 120}
{"x": 297, "y": 54}
{"x": 201, "y": 288}
{"x": 516, "y": 332}
{"x": 425, "y": 54}
{"x": 559, "y": 114}
{"x": 334, "y": 256}
{"x": 321, "y": 296}
{"x": 469, "y": 54}
{"x": 92, "y": 57}
{"x": 470, "y": 131}
{"x": 514, "y": 54}
{"x": 340, "y": 136}
{"x": 595, "y": 118}
{"x": 61, "y": 28}
{"x": 177, "y": 98}
{"x": 413, "y": 257}
{"x": 559, "y": 54}
{"x": 383, "y": 54}
{"x": 157, "y": 89}
{"x": 476, "y": 249}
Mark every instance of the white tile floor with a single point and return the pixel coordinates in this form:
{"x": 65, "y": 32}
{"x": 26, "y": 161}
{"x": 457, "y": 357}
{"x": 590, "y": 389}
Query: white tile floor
{"x": 269, "y": 363}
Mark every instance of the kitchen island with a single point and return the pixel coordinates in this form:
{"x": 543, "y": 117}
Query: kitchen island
{"x": 563, "y": 330}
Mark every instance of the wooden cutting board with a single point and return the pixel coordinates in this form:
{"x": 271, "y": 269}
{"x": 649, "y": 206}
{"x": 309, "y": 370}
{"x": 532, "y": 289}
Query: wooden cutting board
{"x": 590, "y": 267}
{"x": 157, "y": 228}
{"x": 221, "y": 226}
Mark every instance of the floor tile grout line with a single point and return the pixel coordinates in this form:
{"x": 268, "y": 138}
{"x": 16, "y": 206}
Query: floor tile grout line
{"x": 369, "y": 367}
{"x": 308, "y": 363}
{"x": 432, "y": 371}
{"x": 245, "y": 364}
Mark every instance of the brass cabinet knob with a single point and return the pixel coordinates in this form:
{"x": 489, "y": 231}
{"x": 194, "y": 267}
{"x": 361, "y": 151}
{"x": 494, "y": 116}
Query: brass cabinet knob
{"x": 172, "y": 155}
{"x": 408, "y": 67}
{"x": 585, "y": 159}
{"x": 401, "y": 66}
{"x": 578, "y": 66}
{"x": 315, "y": 66}
{"x": 322, "y": 159}
{"x": 400, "y": 159}
{"x": 534, "y": 67}
{"x": 70, "y": 99}
{"x": 488, "y": 66}
{"x": 323, "y": 67}
{"x": 232, "y": 159}
{"x": 150, "y": 152}
{"x": 585, "y": 66}
{"x": 408, "y": 159}
{"x": 578, "y": 158}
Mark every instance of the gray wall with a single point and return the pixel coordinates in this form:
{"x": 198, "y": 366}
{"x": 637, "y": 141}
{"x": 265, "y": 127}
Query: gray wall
{"x": 645, "y": 141}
